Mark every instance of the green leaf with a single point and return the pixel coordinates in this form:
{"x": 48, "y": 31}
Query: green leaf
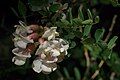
{"x": 77, "y": 22}
{"x": 106, "y": 54}
{"x": 65, "y": 6}
{"x": 99, "y": 34}
{"x": 70, "y": 36}
{"x": 77, "y": 74}
{"x": 97, "y": 19}
{"x": 80, "y": 14}
{"x": 89, "y": 14}
{"x": 87, "y": 29}
{"x": 54, "y": 7}
{"x": 86, "y": 22}
{"x": 65, "y": 22}
{"x": 115, "y": 3}
{"x": 102, "y": 44}
{"x": 51, "y": 1}
{"x": 36, "y": 8}
{"x": 70, "y": 15}
{"x": 95, "y": 2}
{"x": 112, "y": 42}
{"x": 43, "y": 13}
{"x": 88, "y": 41}
{"x": 66, "y": 73}
{"x": 38, "y": 2}
{"x": 105, "y": 2}
{"x": 72, "y": 44}
{"x": 37, "y": 5}
{"x": 22, "y": 9}
{"x": 95, "y": 51}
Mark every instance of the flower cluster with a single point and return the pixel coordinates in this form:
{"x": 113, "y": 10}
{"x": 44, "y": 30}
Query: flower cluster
{"x": 42, "y": 42}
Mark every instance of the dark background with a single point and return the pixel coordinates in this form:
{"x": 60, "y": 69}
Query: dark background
{"x": 8, "y": 19}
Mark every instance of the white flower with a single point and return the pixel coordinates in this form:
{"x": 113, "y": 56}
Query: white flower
{"x": 39, "y": 66}
{"x": 50, "y": 33}
{"x": 19, "y": 60}
{"x": 51, "y": 50}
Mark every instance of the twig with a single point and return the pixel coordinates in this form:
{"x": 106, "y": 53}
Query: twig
{"x": 87, "y": 63}
{"x": 81, "y": 7}
{"x": 111, "y": 28}
{"x": 112, "y": 76}
{"x": 106, "y": 39}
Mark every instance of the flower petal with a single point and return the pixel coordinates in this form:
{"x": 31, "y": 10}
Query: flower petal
{"x": 62, "y": 49}
{"x": 52, "y": 36}
{"x": 50, "y": 33}
{"x": 47, "y": 49}
{"x": 20, "y": 44}
{"x": 47, "y": 68}
{"x": 19, "y": 60}
{"x": 37, "y": 66}
{"x": 21, "y": 53}
{"x": 55, "y": 52}
{"x": 53, "y": 61}
{"x": 42, "y": 47}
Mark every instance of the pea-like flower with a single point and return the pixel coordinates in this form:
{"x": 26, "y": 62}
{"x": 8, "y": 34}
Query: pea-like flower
{"x": 48, "y": 49}
{"x": 50, "y": 33}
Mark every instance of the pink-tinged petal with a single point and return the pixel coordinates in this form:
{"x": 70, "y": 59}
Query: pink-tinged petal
{"x": 45, "y": 44}
{"x": 42, "y": 56}
{"x": 29, "y": 40}
{"x": 29, "y": 30}
{"x": 41, "y": 40}
{"x": 37, "y": 66}
{"x": 33, "y": 36}
{"x": 19, "y": 60}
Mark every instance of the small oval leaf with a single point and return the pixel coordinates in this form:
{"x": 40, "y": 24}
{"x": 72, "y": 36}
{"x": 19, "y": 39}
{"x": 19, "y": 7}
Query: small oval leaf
{"x": 112, "y": 42}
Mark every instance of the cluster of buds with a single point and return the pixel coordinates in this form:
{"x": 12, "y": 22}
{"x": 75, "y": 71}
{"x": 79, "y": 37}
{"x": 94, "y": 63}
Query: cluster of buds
{"x": 42, "y": 42}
